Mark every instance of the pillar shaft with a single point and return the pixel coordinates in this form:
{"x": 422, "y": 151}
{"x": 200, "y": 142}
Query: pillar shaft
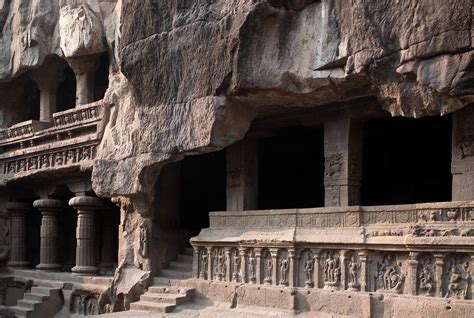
{"x": 84, "y": 67}
{"x": 242, "y": 175}
{"x": 85, "y": 234}
{"x": 412, "y": 269}
{"x": 343, "y": 161}
{"x": 363, "y": 255}
{"x": 49, "y": 233}
{"x": 439, "y": 264}
{"x": 18, "y": 253}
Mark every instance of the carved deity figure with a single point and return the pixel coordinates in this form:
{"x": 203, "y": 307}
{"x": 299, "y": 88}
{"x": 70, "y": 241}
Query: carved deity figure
{"x": 389, "y": 274}
{"x": 236, "y": 265}
{"x": 457, "y": 284}
{"x": 252, "y": 265}
{"x": 45, "y": 161}
{"x": 308, "y": 269}
{"x": 426, "y": 280}
{"x": 332, "y": 270}
{"x": 268, "y": 268}
{"x": 354, "y": 266}
{"x": 144, "y": 241}
{"x": 284, "y": 267}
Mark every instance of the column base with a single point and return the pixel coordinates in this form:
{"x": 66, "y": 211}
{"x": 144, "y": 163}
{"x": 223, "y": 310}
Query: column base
{"x": 85, "y": 270}
{"x": 19, "y": 264}
{"x": 49, "y": 267}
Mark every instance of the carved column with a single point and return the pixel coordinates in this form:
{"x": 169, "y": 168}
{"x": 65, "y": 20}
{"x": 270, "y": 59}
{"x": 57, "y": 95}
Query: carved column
{"x": 439, "y": 264}
{"x": 18, "y": 252}
{"x": 243, "y": 265}
{"x": 48, "y": 78}
{"x": 109, "y": 234}
{"x": 292, "y": 279}
{"x": 316, "y": 272}
{"x": 196, "y": 261}
{"x": 343, "y": 161}
{"x": 363, "y": 255}
{"x": 258, "y": 270}
{"x": 50, "y": 210}
{"x": 276, "y": 266}
{"x": 228, "y": 258}
{"x": 210, "y": 274}
{"x": 343, "y": 261}
{"x": 412, "y": 269}
{"x": 242, "y": 175}
{"x": 85, "y": 234}
{"x": 84, "y": 67}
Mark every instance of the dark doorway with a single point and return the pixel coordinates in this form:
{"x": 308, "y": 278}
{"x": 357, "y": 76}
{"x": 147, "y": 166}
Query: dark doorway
{"x": 66, "y": 92}
{"x": 31, "y": 99}
{"x": 291, "y": 169}
{"x": 407, "y": 161}
{"x": 101, "y": 78}
{"x": 203, "y": 189}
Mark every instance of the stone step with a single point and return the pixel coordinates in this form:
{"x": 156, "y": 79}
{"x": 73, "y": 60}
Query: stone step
{"x": 181, "y": 266}
{"x": 185, "y": 258}
{"x": 188, "y": 251}
{"x": 41, "y": 290}
{"x": 34, "y": 296}
{"x": 28, "y": 303}
{"x": 21, "y": 311}
{"x": 176, "y": 274}
{"x": 163, "y": 281}
{"x": 152, "y": 307}
{"x": 174, "y": 299}
{"x": 174, "y": 290}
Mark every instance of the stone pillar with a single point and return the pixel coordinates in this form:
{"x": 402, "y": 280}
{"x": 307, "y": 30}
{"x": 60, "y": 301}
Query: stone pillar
{"x": 462, "y": 164}
{"x": 343, "y": 161}
{"x": 242, "y": 175}
{"x": 258, "y": 269}
{"x": 50, "y": 210}
{"x": 84, "y": 68}
{"x": 85, "y": 234}
{"x": 439, "y": 264}
{"x": 210, "y": 274}
{"x": 196, "y": 261}
{"x": 363, "y": 255}
{"x": 316, "y": 272}
{"x": 343, "y": 262}
{"x": 412, "y": 269}
{"x": 228, "y": 264}
{"x": 243, "y": 265}
{"x": 18, "y": 251}
{"x": 276, "y": 266}
{"x": 109, "y": 234}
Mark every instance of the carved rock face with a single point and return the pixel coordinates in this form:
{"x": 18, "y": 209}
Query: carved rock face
{"x": 81, "y": 31}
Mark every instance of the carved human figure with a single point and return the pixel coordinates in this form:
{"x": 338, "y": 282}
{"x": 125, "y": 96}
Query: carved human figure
{"x": 426, "y": 280}
{"x": 331, "y": 269}
{"x": 45, "y": 161}
{"x": 268, "y": 268}
{"x": 144, "y": 243}
{"x": 203, "y": 259}
{"x": 390, "y": 274}
{"x": 284, "y": 267}
{"x": 457, "y": 284}
{"x": 354, "y": 266}
{"x": 308, "y": 269}
{"x": 252, "y": 265}
{"x": 236, "y": 265}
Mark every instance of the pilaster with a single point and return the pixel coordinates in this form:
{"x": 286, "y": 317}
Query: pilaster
{"x": 439, "y": 264}
{"x": 363, "y": 257}
{"x": 412, "y": 271}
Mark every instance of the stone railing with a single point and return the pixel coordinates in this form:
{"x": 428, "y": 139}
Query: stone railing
{"x": 422, "y": 249}
{"x": 33, "y": 146}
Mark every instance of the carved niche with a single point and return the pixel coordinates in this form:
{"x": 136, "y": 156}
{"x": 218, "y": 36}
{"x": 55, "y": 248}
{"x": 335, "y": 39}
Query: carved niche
{"x": 267, "y": 267}
{"x": 84, "y": 303}
{"x": 251, "y": 266}
{"x": 389, "y": 275}
{"x": 306, "y": 269}
{"x": 283, "y": 267}
{"x": 219, "y": 264}
{"x": 456, "y": 276}
{"x": 331, "y": 267}
{"x": 203, "y": 263}
{"x": 235, "y": 264}
{"x": 353, "y": 267}
{"x": 426, "y": 278}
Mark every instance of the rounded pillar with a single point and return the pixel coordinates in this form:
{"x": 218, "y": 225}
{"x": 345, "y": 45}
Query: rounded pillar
{"x": 85, "y": 234}
{"x": 18, "y": 253}
{"x": 50, "y": 210}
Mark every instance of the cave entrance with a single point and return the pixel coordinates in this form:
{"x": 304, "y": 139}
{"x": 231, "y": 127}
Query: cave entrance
{"x": 291, "y": 169}
{"x": 406, "y": 160}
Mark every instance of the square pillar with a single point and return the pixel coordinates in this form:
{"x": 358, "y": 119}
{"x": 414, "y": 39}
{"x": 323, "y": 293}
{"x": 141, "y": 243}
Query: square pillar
{"x": 242, "y": 175}
{"x": 343, "y": 161}
{"x": 412, "y": 273}
{"x": 439, "y": 264}
{"x": 243, "y": 267}
{"x": 363, "y": 255}
{"x": 462, "y": 164}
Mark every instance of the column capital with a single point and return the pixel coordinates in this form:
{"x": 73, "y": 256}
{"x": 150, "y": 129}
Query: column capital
{"x": 18, "y": 207}
{"x": 43, "y": 204}
{"x": 85, "y": 203}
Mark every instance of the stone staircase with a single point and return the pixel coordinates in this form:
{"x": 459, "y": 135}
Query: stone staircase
{"x": 166, "y": 294}
{"x": 41, "y": 301}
